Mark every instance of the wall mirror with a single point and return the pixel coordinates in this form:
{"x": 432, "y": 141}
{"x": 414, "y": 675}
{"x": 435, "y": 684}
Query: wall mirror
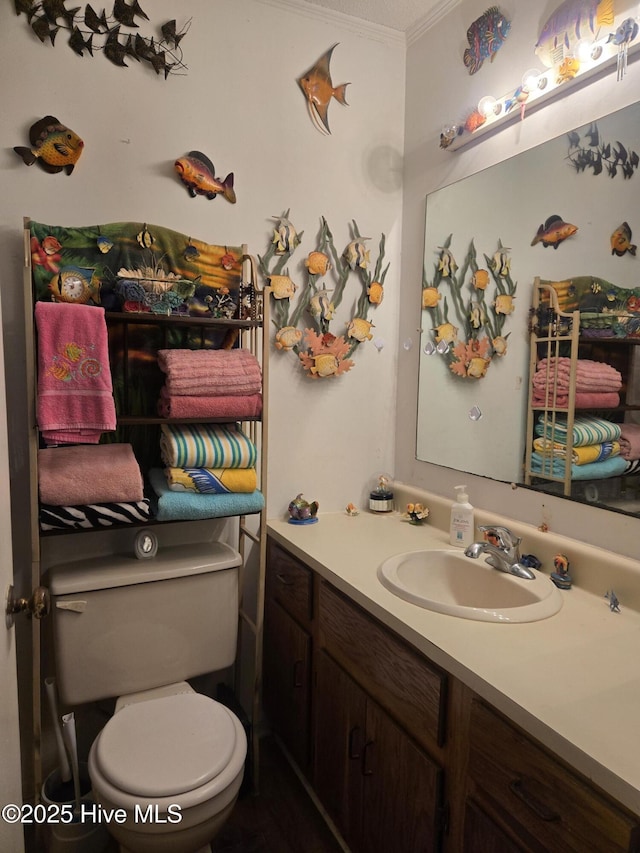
{"x": 478, "y": 425}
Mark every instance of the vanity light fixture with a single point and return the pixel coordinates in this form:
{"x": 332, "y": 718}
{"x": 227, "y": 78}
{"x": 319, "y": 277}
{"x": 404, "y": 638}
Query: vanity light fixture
{"x": 537, "y": 88}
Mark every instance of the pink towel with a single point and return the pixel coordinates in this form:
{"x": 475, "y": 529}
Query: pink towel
{"x": 584, "y": 399}
{"x": 86, "y": 474}
{"x": 599, "y": 371}
{"x": 75, "y": 394}
{"x": 209, "y": 372}
{"x": 630, "y": 441}
{"x": 183, "y": 406}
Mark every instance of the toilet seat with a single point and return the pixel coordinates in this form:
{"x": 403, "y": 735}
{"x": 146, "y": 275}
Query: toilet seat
{"x": 167, "y": 746}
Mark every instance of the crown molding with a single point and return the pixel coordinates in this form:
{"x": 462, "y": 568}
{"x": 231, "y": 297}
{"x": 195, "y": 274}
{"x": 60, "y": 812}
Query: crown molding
{"x": 375, "y": 32}
{"x": 430, "y": 20}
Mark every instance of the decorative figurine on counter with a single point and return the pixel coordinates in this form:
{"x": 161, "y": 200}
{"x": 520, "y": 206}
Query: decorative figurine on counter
{"x": 198, "y": 174}
{"x": 416, "y": 513}
{"x": 53, "y": 145}
{"x": 530, "y": 561}
{"x": 381, "y": 498}
{"x": 614, "y": 604}
{"x": 561, "y": 577}
{"x": 302, "y": 512}
{"x": 352, "y": 510}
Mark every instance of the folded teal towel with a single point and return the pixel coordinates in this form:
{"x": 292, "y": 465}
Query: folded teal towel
{"x": 614, "y": 466}
{"x": 184, "y": 506}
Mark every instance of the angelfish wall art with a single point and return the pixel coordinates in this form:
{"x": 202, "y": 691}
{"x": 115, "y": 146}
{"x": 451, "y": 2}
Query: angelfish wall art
{"x": 318, "y": 89}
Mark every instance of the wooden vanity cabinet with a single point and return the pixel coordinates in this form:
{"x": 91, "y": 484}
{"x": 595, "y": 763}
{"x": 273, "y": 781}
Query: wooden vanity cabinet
{"x": 522, "y": 798}
{"x": 404, "y": 757}
{"x": 379, "y": 719}
{"x": 287, "y": 651}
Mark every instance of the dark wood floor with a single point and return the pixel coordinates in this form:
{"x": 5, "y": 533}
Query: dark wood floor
{"x": 280, "y": 819}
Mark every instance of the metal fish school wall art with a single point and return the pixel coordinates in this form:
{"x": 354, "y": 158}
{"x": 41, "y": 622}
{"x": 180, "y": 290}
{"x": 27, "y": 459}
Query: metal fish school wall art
{"x": 107, "y": 33}
{"x": 53, "y": 145}
{"x": 591, "y": 153}
{"x": 571, "y": 21}
{"x": 486, "y": 35}
{"x": 197, "y": 173}
{"x": 553, "y": 232}
{"x": 318, "y": 89}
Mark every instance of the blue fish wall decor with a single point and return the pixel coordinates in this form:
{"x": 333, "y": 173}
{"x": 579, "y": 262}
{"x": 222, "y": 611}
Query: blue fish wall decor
{"x": 486, "y": 35}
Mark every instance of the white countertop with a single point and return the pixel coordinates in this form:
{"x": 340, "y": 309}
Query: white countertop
{"x": 572, "y": 681}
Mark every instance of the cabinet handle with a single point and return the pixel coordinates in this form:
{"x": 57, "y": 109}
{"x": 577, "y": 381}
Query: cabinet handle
{"x": 518, "y": 787}
{"x": 366, "y": 769}
{"x": 298, "y": 673}
{"x": 285, "y": 579}
{"x": 355, "y": 741}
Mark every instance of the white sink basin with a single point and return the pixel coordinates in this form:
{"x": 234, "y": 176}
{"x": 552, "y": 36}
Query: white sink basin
{"x": 448, "y": 582}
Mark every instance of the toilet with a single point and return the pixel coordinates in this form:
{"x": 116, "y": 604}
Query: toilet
{"x": 167, "y": 767}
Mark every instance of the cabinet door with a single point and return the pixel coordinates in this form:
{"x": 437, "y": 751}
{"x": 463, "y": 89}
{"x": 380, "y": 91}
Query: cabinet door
{"x": 287, "y": 680}
{"x": 339, "y": 742}
{"x": 482, "y": 834}
{"x": 402, "y": 790}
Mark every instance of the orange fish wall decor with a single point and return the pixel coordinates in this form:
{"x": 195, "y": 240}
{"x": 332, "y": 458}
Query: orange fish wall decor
{"x": 53, "y": 146}
{"x": 197, "y": 173}
{"x": 318, "y": 89}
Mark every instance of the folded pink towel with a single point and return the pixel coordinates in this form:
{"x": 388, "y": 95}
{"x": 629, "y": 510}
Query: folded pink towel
{"x": 209, "y": 372}
{"x": 630, "y": 441}
{"x": 75, "y": 396}
{"x": 86, "y": 474}
{"x": 234, "y": 408}
{"x": 584, "y": 368}
{"x": 584, "y": 399}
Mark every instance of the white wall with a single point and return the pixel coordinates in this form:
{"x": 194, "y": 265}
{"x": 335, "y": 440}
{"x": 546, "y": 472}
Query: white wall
{"x": 240, "y": 104}
{"x": 439, "y": 90}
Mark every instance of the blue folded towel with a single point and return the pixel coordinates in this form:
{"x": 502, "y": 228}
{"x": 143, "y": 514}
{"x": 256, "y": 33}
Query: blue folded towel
{"x": 614, "y": 466}
{"x": 185, "y": 506}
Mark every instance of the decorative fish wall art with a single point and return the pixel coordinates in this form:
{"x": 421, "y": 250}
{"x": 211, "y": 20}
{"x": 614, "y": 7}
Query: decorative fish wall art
{"x": 621, "y": 241}
{"x": 486, "y": 35}
{"x": 554, "y": 231}
{"x": 571, "y": 21}
{"x": 116, "y": 34}
{"x": 53, "y": 145}
{"x": 197, "y": 173}
{"x": 591, "y": 153}
{"x": 318, "y": 89}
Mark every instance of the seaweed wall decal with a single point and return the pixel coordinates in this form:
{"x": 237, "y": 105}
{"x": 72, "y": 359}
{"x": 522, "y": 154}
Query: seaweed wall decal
{"x": 89, "y": 31}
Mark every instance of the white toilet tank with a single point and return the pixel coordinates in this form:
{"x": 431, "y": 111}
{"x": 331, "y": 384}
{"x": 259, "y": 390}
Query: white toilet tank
{"x": 121, "y": 624}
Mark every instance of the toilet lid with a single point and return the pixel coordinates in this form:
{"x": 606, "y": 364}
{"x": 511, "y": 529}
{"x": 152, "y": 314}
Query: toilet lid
{"x": 166, "y": 746}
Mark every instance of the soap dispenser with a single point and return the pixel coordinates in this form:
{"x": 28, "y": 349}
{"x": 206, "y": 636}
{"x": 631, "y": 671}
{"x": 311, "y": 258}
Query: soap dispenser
{"x": 461, "y": 531}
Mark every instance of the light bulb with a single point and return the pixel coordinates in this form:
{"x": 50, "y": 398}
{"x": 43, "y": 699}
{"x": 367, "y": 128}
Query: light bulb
{"x": 583, "y": 50}
{"x": 487, "y": 106}
{"x": 530, "y": 79}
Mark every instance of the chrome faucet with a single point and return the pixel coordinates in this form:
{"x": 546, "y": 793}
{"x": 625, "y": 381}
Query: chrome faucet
{"x": 503, "y": 551}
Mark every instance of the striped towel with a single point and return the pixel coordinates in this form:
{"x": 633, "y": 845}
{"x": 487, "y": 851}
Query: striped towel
{"x": 206, "y": 446}
{"x": 586, "y": 430}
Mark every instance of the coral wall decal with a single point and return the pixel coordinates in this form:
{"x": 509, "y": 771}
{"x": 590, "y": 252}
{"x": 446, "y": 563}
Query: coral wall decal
{"x": 470, "y": 346}
{"x": 321, "y": 352}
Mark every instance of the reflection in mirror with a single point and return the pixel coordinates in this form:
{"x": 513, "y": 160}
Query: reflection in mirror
{"x": 585, "y": 180}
